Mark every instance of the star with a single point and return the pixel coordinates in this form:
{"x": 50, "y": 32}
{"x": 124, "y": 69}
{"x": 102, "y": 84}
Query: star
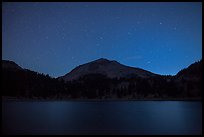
{"x": 129, "y": 33}
{"x": 93, "y": 22}
{"x": 12, "y": 10}
{"x": 39, "y": 26}
{"x": 117, "y": 18}
{"x": 86, "y": 5}
{"x": 160, "y": 23}
{"x": 84, "y": 30}
{"x": 46, "y": 37}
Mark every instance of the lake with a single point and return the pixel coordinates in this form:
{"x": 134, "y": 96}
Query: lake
{"x": 104, "y": 117}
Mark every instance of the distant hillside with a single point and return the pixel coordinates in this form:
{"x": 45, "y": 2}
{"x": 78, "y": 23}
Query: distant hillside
{"x": 10, "y": 65}
{"x": 189, "y": 80}
{"x": 194, "y": 71}
{"x": 20, "y": 82}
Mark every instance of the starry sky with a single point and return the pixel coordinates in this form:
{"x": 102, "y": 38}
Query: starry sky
{"x": 53, "y": 38}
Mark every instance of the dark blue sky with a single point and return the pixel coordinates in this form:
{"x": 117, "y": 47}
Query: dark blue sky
{"x": 53, "y": 38}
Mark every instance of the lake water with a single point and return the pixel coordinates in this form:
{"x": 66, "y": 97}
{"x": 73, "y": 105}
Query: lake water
{"x": 105, "y": 117}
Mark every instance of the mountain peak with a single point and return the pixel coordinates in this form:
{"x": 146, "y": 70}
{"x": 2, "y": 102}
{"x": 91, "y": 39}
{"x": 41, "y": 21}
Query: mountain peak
{"x": 102, "y": 60}
{"x": 110, "y": 68}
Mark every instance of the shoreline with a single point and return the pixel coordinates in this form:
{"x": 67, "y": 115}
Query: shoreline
{"x": 3, "y": 98}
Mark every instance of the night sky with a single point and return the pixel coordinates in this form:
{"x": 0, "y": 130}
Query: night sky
{"x": 54, "y": 38}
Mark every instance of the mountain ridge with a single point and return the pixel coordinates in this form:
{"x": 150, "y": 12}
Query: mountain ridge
{"x": 30, "y": 84}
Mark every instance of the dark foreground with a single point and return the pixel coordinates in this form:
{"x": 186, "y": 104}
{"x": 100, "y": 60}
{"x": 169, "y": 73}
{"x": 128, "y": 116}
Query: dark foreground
{"x": 104, "y": 117}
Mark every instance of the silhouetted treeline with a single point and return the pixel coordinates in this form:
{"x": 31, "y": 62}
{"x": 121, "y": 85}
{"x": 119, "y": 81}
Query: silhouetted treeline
{"x": 30, "y": 84}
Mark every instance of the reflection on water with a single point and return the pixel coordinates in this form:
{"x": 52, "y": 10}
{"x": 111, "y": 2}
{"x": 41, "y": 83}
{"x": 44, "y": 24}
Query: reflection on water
{"x": 106, "y": 117}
